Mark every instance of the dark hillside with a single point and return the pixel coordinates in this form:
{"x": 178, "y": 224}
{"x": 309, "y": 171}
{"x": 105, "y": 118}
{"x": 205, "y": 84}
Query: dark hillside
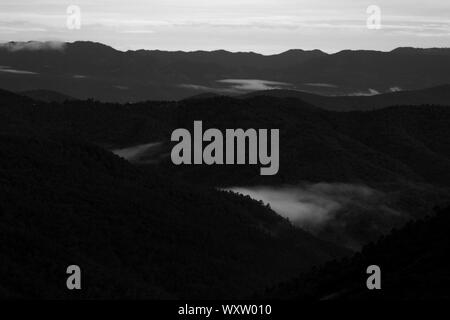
{"x": 133, "y": 233}
{"x": 414, "y": 265}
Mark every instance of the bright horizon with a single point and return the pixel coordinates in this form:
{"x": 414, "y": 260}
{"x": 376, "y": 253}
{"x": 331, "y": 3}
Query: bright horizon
{"x": 264, "y": 26}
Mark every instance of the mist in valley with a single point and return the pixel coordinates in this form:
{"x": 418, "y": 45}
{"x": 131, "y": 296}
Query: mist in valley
{"x": 143, "y": 153}
{"x": 350, "y": 215}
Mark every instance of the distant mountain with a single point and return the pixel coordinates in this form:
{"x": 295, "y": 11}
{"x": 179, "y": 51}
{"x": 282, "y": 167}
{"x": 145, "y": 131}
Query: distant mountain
{"x": 46, "y": 95}
{"x": 92, "y": 70}
{"x": 439, "y": 95}
{"x": 430, "y": 51}
{"x": 413, "y": 263}
{"x": 205, "y": 95}
{"x": 8, "y": 98}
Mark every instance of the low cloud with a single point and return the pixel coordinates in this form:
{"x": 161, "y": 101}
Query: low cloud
{"x": 143, "y": 153}
{"x": 239, "y": 86}
{"x": 202, "y": 88}
{"x": 6, "y": 69}
{"x": 395, "y": 89}
{"x": 323, "y": 85}
{"x": 370, "y": 92}
{"x": 346, "y": 214}
{"x": 254, "y": 84}
{"x": 33, "y": 46}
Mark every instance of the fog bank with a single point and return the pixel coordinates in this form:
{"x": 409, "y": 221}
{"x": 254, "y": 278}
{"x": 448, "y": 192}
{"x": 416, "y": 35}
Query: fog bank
{"x": 142, "y": 153}
{"x": 347, "y": 214}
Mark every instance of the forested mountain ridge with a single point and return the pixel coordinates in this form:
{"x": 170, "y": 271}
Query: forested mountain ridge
{"x": 134, "y": 234}
{"x": 93, "y": 70}
{"x": 392, "y": 144}
{"x": 439, "y": 95}
{"x": 413, "y": 261}
{"x": 396, "y": 149}
{"x": 60, "y": 183}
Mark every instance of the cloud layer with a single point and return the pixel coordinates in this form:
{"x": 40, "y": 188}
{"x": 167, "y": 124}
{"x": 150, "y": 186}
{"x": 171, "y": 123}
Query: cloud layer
{"x": 267, "y": 26}
{"x": 346, "y": 214}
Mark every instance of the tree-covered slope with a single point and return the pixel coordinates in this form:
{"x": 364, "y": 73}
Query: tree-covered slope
{"x": 413, "y": 261}
{"x": 133, "y": 233}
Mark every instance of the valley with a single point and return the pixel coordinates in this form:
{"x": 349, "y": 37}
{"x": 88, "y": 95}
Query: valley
{"x": 345, "y": 179}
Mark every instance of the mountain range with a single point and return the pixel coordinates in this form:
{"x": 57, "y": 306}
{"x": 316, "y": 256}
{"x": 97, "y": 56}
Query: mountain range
{"x": 399, "y": 155}
{"x": 92, "y": 70}
{"x": 412, "y": 259}
{"x": 135, "y": 234}
{"x": 86, "y": 176}
{"x": 439, "y": 95}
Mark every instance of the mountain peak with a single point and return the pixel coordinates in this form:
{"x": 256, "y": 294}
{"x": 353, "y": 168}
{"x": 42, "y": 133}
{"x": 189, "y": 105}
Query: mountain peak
{"x": 91, "y": 45}
{"x": 296, "y": 52}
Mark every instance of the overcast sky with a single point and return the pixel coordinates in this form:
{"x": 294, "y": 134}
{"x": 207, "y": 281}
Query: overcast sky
{"x": 265, "y": 26}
